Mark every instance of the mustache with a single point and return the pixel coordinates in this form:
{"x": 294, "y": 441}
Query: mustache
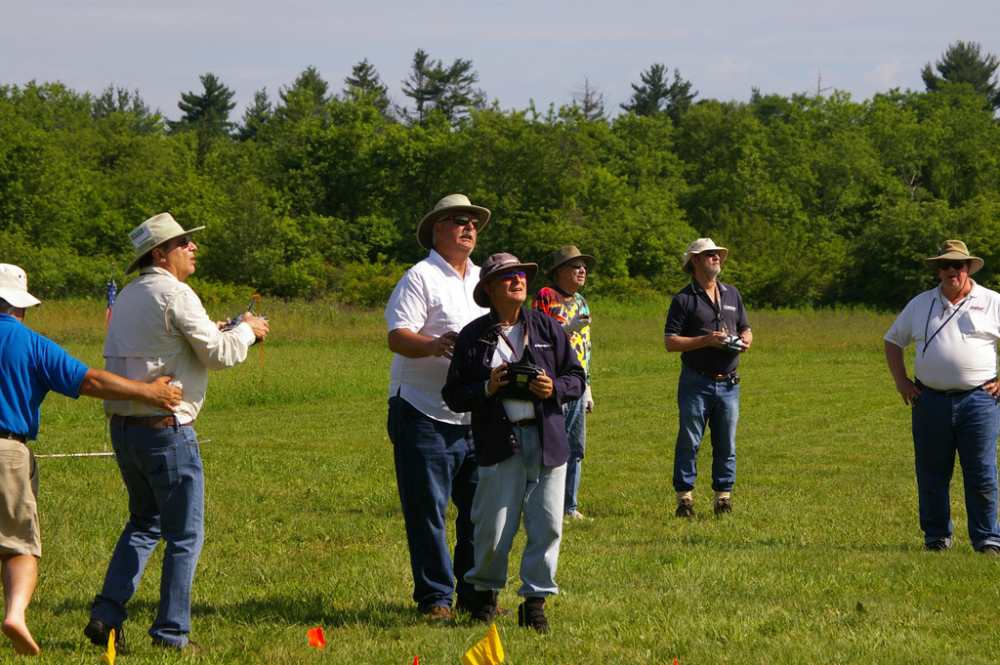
{"x": 467, "y": 234}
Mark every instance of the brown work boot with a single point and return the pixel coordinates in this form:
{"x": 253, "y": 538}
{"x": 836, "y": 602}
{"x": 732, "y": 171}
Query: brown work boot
{"x": 440, "y": 614}
{"x": 685, "y": 509}
{"x": 723, "y": 507}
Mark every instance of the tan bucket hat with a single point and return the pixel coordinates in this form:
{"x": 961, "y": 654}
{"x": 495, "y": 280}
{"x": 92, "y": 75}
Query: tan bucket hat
{"x": 566, "y": 254}
{"x": 14, "y": 286}
{"x": 450, "y": 204}
{"x": 152, "y": 233}
{"x": 697, "y": 247}
{"x": 496, "y": 265}
{"x": 954, "y": 249}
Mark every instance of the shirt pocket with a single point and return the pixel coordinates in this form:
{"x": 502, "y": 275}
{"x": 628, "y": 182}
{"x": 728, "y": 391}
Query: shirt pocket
{"x": 978, "y": 324}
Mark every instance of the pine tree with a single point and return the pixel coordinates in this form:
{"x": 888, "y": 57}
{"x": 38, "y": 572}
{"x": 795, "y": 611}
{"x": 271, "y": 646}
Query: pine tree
{"x": 255, "y": 116}
{"x": 365, "y": 83}
{"x": 208, "y": 113}
{"x": 964, "y": 63}
{"x": 656, "y": 96}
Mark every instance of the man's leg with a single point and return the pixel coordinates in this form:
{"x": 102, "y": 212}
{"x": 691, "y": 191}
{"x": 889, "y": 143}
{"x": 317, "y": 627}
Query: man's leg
{"x": 463, "y": 494}
{"x": 976, "y": 440}
{"x": 19, "y": 573}
{"x": 542, "y": 521}
{"x": 693, "y": 398}
{"x": 576, "y": 432}
{"x": 722, "y": 423}
{"x": 934, "y": 461}
{"x": 496, "y": 512}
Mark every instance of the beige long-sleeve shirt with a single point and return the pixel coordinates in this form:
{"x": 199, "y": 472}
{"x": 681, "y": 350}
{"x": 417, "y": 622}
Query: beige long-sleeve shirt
{"x": 159, "y": 326}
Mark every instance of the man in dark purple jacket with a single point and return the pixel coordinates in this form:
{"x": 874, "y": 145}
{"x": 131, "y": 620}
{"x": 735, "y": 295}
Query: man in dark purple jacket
{"x": 519, "y": 435}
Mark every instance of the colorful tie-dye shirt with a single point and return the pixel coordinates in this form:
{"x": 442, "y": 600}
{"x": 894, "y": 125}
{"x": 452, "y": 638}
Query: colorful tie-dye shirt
{"x": 562, "y": 308}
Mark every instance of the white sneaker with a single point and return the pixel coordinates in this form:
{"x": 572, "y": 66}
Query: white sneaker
{"x": 577, "y": 515}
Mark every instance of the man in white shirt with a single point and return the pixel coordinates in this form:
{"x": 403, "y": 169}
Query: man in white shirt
{"x": 432, "y": 445}
{"x": 954, "y": 396}
{"x": 158, "y": 326}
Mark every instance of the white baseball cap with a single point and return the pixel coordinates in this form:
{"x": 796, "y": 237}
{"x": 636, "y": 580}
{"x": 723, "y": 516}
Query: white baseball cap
{"x": 14, "y": 287}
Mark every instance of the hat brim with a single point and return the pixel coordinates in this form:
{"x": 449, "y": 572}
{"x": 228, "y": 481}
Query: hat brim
{"x": 425, "y": 234}
{"x": 976, "y": 262}
{"x": 723, "y": 253}
{"x": 588, "y": 260}
{"x": 530, "y": 272}
{"x": 21, "y": 299}
{"x": 135, "y": 263}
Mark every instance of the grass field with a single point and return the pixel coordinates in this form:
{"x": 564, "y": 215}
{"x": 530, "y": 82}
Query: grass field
{"x": 822, "y": 561}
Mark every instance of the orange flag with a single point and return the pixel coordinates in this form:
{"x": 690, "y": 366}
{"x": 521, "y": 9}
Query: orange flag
{"x": 316, "y": 637}
{"x": 109, "y": 656}
{"x": 488, "y": 651}
{"x": 416, "y": 660}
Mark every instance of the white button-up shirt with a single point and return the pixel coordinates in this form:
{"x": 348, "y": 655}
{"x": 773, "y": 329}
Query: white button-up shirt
{"x": 159, "y": 326}
{"x": 430, "y": 299}
{"x": 963, "y": 353}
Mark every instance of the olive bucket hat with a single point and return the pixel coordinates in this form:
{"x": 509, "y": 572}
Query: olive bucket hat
{"x": 954, "y": 250}
{"x": 565, "y": 255}
{"x": 497, "y": 265}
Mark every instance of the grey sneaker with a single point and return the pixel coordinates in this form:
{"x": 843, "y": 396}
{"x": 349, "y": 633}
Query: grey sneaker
{"x": 723, "y": 507}
{"x": 990, "y": 551}
{"x": 937, "y": 546}
{"x": 685, "y": 509}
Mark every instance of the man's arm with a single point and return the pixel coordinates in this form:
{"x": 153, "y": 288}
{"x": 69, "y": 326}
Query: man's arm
{"x": 105, "y": 385}
{"x": 414, "y": 345}
{"x": 897, "y": 366}
{"x": 715, "y": 339}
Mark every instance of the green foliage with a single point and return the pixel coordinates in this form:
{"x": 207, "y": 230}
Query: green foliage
{"x": 448, "y": 90}
{"x": 963, "y": 62}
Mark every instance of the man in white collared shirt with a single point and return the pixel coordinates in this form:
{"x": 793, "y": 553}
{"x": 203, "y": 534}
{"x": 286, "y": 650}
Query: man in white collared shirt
{"x": 432, "y": 445}
{"x": 954, "y": 396}
{"x": 158, "y": 326}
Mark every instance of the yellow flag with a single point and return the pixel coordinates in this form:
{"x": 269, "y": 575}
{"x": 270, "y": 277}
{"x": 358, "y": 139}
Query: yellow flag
{"x": 109, "y": 657}
{"x": 489, "y": 651}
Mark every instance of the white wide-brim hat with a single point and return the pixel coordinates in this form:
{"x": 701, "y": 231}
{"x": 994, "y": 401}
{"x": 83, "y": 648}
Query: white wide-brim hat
{"x": 450, "y": 204}
{"x": 697, "y": 247}
{"x": 14, "y": 286}
{"x": 152, "y": 233}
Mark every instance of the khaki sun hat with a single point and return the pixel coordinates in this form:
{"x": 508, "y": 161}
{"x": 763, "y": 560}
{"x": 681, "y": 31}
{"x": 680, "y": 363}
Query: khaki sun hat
{"x": 497, "y": 265}
{"x": 697, "y": 247}
{"x": 566, "y": 254}
{"x": 14, "y": 287}
{"x": 152, "y": 233}
{"x": 954, "y": 249}
{"x": 449, "y": 204}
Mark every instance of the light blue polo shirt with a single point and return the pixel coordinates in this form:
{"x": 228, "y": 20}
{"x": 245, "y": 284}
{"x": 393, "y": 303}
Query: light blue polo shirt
{"x": 31, "y": 366}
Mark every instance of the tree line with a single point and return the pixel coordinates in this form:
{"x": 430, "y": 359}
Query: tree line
{"x": 822, "y": 200}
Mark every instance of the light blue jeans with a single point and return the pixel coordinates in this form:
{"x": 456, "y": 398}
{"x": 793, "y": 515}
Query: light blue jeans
{"x": 576, "y": 432}
{"x": 702, "y": 400}
{"x": 166, "y": 498}
{"x": 519, "y": 483}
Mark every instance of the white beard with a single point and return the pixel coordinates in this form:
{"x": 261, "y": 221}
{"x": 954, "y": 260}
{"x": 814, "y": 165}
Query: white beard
{"x": 712, "y": 271}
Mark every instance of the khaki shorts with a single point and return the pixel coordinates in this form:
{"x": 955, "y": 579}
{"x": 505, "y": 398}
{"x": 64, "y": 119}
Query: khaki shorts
{"x": 19, "y": 532}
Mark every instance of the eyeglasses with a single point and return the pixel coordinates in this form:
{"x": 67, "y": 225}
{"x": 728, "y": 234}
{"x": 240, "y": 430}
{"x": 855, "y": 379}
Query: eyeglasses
{"x": 183, "y": 241}
{"x": 461, "y": 220}
{"x": 948, "y": 265}
{"x": 509, "y": 277}
{"x": 710, "y": 253}
{"x": 577, "y": 265}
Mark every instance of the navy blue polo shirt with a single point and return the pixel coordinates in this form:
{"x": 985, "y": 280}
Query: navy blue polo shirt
{"x": 693, "y": 314}
{"x": 31, "y": 366}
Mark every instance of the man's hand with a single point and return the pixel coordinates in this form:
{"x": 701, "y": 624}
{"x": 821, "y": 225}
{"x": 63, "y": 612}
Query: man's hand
{"x": 588, "y": 400}
{"x": 258, "y": 324}
{"x": 908, "y": 389}
{"x": 541, "y": 385}
{"x": 716, "y": 339}
{"x": 993, "y": 388}
{"x": 443, "y": 345}
{"x": 747, "y": 338}
{"x": 163, "y": 395}
{"x": 577, "y": 323}
{"x": 496, "y": 379}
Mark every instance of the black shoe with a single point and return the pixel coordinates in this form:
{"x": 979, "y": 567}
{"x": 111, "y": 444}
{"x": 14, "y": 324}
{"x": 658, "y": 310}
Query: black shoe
{"x": 99, "y": 632}
{"x": 483, "y": 606}
{"x": 685, "y": 509}
{"x": 990, "y": 550}
{"x": 723, "y": 507}
{"x": 937, "y": 546}
{"x": 531, "y": 615}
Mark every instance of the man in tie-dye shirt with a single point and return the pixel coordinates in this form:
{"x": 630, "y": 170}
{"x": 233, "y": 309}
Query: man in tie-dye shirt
{"x": 564, "y": 304}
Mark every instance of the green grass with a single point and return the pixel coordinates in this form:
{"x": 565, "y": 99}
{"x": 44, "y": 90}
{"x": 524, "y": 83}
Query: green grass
{"x": 821, "y": 563}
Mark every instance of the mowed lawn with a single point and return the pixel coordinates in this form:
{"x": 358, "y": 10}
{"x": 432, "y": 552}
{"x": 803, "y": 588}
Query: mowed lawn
{"x": 822, "y": 561}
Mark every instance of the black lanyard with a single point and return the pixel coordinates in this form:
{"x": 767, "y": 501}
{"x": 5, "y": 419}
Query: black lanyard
{"x": 517, "y": 356}
{"x": 717, "y": 307}
{"x": 928, "y": 321}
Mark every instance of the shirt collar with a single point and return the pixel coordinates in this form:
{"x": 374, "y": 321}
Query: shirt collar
{"x": 150, "y": 270}
{"x": 439, "y": 261}
{"x": 697, "y": 288}
{"x": 975, "y": 292}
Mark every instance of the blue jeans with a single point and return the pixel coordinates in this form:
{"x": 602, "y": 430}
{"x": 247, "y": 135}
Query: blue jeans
{"x": 702, "y": 400}
{"x": 434, "y": 460}
{"x": 166, "y": 499}
{"x": 967, "y": 424}
{"x": 576, "y": 431}
{"x": 504, "y": 489}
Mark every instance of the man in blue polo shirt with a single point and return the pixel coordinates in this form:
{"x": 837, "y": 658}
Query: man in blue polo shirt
{"x": 30, "y": 367}
{"x": 708, "y": 325}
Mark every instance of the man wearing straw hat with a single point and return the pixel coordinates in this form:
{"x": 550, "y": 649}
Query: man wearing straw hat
{"x": 30, "y": 367}
{"x": 564, "y": 304}
{"x": 953, "y": 396}
{"x": 432, "y": 445}
{"x": 708, "y": 325}
{"x": 520, "y": 435}
{"x": 158, "y": 326}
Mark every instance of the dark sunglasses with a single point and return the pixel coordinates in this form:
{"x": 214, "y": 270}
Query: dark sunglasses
{"x": 948, "y": 265}
{"x": 183, "y": 241}
{"x": 711, "y": 253}
{"x": 461, "y": 220}
{"x": 519, "y": 274}
{"x": 578, "y": 265}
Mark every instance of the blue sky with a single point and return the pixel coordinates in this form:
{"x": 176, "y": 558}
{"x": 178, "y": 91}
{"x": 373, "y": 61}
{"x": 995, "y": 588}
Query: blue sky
{"x": 522, "y": 50}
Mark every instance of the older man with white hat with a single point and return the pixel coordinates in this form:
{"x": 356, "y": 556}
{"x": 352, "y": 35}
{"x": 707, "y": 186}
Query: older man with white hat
{"x": 708, "y": 325}
{"x": 158, "y": 326}
{"x": 30, "y": 367}
{"x": 954, "y": 394}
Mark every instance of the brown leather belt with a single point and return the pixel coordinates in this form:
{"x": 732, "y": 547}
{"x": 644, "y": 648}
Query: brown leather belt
{"x": 527, "y": 422}
{"x": 714, "y": 377}
{"x": 152, "y": 422}
{"x": 14, "y": 437}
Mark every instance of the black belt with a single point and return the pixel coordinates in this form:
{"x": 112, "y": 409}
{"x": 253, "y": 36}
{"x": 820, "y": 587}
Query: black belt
{"x": 716, "y": 377}
{"x": 952, "y": 393}
{"x": 152, "y": 422}
{"x": 15, "y": 437}
{"x": 527, "y": 422}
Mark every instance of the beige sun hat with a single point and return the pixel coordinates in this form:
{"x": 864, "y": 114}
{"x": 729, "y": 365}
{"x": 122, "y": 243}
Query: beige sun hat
{"x": 152, "y": 233}
{"x": 566, "y": 254}
{"x": 450, "y": 204}
{"x": 954, "y": 249}
{"x": 697, "y": 247}
{"x": 14, "y": 286}
{"x": 494, "y": 267}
